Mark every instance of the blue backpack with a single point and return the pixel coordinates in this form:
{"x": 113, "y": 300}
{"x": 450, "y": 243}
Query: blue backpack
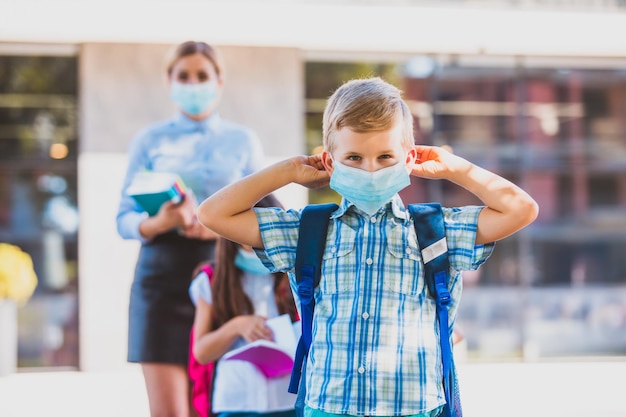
{"x": 429, "y": 226}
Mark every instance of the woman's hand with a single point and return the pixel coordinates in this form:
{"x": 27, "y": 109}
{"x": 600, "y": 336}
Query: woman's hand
{"x": 171, "y": 216}
{"x": 198, "y": 231}
{"x": 178, "y": 215}
{"x": 182, "y": 216}
{"x": 253, "y": 328}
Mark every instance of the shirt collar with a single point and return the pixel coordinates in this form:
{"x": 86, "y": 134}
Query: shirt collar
{"x": 207, "y": 123}
{"x": 396, "y": 205}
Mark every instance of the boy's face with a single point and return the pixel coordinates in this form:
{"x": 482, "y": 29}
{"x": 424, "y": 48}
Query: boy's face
{"x": 369, "y": 151}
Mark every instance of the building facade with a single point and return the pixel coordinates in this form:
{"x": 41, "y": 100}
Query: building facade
{"x": 536, "y": 95}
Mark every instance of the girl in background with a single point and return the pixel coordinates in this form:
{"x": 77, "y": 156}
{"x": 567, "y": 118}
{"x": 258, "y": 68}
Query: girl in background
{"x": 230, "y": 312}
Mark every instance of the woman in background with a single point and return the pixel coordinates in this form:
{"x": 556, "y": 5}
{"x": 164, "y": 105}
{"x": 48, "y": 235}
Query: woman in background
{"x": 207, "y": 152}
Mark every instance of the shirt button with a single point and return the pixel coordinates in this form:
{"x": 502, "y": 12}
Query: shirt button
{"x": 361, "y": 370}
{"x": 333, "y": 249}
{"x": 369, "y": 261}
{"x": 408, "y": 251}
{"x": 373, "y": 219}
{"x": 365, "y": 315}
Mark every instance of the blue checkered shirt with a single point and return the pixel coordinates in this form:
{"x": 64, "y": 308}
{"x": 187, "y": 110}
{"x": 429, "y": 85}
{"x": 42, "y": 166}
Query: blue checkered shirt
{"x": 375, "y": 348}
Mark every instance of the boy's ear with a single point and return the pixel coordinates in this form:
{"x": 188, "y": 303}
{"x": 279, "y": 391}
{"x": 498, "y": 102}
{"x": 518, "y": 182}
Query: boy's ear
{"x": 327, "y": 161}
{"x": 411, "y": 157}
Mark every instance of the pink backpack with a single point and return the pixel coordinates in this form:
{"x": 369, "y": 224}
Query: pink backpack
{"x": 201, "y": 375}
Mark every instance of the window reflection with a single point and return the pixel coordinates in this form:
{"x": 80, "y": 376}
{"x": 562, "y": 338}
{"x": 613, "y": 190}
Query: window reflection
{"x": 38, "y": 201}
{"x": 557, "y": 288}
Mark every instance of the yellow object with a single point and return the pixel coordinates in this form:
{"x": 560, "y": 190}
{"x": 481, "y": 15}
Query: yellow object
{"x": 17, "y": 275}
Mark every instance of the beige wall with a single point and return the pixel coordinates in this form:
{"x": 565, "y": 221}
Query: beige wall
{"x": 122, "y": 89}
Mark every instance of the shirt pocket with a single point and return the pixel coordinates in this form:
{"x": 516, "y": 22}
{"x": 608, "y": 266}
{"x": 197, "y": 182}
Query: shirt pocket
{"x": 339, "y": 264}
{"x": 404, "y": 272}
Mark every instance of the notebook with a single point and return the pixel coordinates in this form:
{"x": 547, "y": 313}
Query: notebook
{"x": 272, "y": 358}
{"x": 151, "y": 189}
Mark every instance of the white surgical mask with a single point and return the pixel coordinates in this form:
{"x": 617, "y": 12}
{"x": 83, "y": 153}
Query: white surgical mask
{"x": 369, "y": 191}
{"x": 194, "y": 99}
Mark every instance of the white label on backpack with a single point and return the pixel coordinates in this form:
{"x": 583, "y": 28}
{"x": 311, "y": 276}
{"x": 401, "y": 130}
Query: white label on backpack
{"x": 438, "y": 248}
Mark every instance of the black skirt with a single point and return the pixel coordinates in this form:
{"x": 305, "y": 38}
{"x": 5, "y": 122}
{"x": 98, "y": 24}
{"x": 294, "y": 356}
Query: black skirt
{"x": 161, "y": 313}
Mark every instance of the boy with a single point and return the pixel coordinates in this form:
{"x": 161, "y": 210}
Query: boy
{"x": 375, "y": 344}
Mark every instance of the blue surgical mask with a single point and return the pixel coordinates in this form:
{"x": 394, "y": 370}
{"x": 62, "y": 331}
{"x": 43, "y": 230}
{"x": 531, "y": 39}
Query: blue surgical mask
{"x": 369, "y": 191}
{"x": 194, "y": 99}
{"x": 249, "y": 262}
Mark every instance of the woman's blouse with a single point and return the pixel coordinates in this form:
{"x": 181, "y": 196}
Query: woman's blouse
{"x": 207, "y": 155}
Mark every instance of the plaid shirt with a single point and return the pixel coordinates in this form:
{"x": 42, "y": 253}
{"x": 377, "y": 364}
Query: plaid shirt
{"x": 375, "y": 349}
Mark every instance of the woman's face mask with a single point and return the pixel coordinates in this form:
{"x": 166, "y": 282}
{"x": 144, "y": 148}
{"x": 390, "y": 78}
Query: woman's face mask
{"x": 369, "y": 191}
{"x": 194, "y": 98}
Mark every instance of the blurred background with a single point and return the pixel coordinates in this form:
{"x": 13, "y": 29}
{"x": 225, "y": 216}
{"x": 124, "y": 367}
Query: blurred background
{"x": 534, "y": 90}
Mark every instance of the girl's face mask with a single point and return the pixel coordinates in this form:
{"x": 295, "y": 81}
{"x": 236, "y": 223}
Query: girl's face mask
{"x": 194, "y": 98}
{"x": 250, "y": 263}
{"x": 369, "y": 191}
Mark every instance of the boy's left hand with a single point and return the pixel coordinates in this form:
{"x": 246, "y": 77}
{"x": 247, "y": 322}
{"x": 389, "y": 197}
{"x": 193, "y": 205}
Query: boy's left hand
{"x": 436, "y": 162}
{"x": 508, "y": 207}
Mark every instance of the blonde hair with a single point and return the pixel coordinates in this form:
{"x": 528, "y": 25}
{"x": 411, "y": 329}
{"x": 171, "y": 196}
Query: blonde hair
{"x": 366, "y": 105}
{"x": 191, "y": 48}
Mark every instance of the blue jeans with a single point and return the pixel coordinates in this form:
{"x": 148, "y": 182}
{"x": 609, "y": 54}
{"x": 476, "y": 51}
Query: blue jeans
{"x": 289, "y": 413}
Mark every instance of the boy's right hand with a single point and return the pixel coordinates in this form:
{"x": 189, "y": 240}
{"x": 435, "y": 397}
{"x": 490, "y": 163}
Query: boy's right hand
{"x": 309, "y": 171}
{"x": 229, "y": 212}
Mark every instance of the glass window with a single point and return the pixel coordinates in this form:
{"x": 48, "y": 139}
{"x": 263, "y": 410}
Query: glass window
{"x": 38, "y": 199}
{"x": 559, "y": 131}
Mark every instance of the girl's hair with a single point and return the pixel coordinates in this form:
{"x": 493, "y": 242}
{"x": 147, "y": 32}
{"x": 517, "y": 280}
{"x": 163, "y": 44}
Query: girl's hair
{"x": 191, "y": 48}
{"x": 228, "y": 297}
{"x": 366, "y": 105}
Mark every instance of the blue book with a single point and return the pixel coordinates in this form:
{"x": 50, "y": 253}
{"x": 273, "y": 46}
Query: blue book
{"x": 152, "y": 189}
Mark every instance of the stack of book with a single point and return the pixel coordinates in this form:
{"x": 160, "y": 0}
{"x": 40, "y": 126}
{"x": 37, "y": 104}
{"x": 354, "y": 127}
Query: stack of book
{"x": 151, "y": 189}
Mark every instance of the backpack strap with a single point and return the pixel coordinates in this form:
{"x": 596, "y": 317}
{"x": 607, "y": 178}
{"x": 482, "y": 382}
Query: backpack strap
{"x": 201, "y": 376}
{"x": 208, "y": 270}
{"x": 431, "y": 237}
{"x": 309, "y": 253}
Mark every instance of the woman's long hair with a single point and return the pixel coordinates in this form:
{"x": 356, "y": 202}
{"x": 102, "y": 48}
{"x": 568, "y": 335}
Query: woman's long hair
{"x": 228, "y": 296}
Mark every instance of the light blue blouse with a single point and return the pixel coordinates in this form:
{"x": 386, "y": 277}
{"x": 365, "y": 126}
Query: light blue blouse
{"x": 207, "y": 155}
